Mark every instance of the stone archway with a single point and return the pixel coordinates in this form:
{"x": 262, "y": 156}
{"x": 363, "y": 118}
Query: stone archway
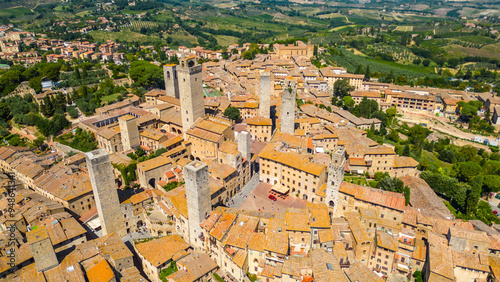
{"x": 152, "y": 182}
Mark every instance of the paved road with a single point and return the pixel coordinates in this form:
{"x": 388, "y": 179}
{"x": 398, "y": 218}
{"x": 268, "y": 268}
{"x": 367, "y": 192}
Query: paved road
{"x": 245, "y": 191}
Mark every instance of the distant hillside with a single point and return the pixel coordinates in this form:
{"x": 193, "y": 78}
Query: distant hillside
{"x": 30, "y": 4}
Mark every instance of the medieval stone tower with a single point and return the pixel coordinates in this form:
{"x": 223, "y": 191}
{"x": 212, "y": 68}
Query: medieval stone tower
{"x": 190, "y": 92}
{"x": 105, "y": 194}
{"x": 42, "y": 249}
{"x": 265, "y": 95}
{"x": 244, "y": 144}
{"x": 288, "y": 97}
{"x": 129, "y": 132}
{"x": 335, "y": 177}
{"x": 198, "y": 199}
{"x": 171, "y": 81}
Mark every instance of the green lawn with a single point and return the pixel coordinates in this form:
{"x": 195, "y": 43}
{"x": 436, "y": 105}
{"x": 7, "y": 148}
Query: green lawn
{"x": 360, "y": 180}
{"x": 172, "y": 268}
{"x": 110, "y": 98}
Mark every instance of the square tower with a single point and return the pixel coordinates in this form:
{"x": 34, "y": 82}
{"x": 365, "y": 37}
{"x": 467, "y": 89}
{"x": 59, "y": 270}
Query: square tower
{"x": 335, "y": 177}
{"x": 171, "y": 81}
{"x": 288, "y": 102}
{"x": 198, "y": 199}
{"x": 190, "y": 92}
{"x": 244, "y": 144}
{"x": 105, "y": 194}
{"x": 129, "y": 132}
{"x": 265, "y": 95}
{"x": 42, "y": 249}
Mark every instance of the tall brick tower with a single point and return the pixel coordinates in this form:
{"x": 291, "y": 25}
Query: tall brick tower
{"x": 288, "y": 97}
{"x": 171, "y": 81}
{"x": 190, "y": 92}
{"x": 42, "y": 249}
{"x": 129, "y": 132}
{"x": 265, "y": 95}
{"x": 105, "y": 194}
{"x": 335, "y": 177}
{"x": 198, "y": 199}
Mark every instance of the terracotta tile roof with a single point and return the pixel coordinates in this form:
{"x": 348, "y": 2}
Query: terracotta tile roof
{"x": 293, "y": 266}
{"x": 209, "y": 222}
{"x": 150, "y": 134}
{"x": 321, "y": 259}
{"x": 230, "y": 148}
{"x": 387, "y": 241}
{"x": 154, "y": 163}
{"x": 222, "y": 226}
{"x": 423, "y": 197}
{"x": 277, "y": 242}
{"x": 212, "y": 126}
{"x": 369, "y": 94}
{"x": 360, "y": 272}
{"x": 402, "y": 161}
{"x": 292, "y": 159}
{"x": 386, "y": 199}
{"x": 241, "y": 232}
{"x": 160, "y": 251}
{"x": 357, "y": 229}
{"x": 473, "y": 235}
{"x": 107, "y": 133}
{"x": 257, "y": 242}
{"x": 318, "y": 215}
{"x": 171, "y": 100}
{"x": 440, "y": 256}
{"x": 470, "y": 261}
{"x": 204, "y": 134}
{"x": 196, "y": 266}
{"x": 101, "y": 272}
{"x": 357, "y": 162}
{"x": 382, "y": 150}
{"x": 297, "y": 220}
{"x": 259, "y": 120}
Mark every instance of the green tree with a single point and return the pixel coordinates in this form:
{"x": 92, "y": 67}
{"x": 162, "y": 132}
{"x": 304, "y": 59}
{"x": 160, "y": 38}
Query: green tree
{"x": 365, "y": 108}
{"x": 394, "y": 136}
{"x": 406, "y": 150}
{"x": 367, "y": 74}
{"x": 36, "y": 84}
{"x": 466, "y": 171}
{"x": 5, "y": 112}
{"x": 232, "y": 113}
{"x": 348, "y": 101}
{"x": 146, "y": 74}
{"x": 391, "y": 184}
{"x": 342, "y": 87}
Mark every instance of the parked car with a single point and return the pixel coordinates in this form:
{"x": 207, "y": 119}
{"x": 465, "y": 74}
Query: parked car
{"x": 272, "y": 197}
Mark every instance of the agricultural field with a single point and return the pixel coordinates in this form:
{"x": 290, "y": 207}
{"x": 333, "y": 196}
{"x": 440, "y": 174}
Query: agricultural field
{"x": 490, "y": 51}
{"x": 124, "y": 35}
{"x": 226, "y": 40}
{"x": 404, "y": 28}
{"x": 137, "y": 25}
{"x": 400, "y": 54}
{"x": 16, "y": 12}
{"x": 351, "y": 61}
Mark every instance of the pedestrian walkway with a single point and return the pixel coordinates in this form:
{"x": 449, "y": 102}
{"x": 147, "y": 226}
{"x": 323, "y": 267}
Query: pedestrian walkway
{"x": 240, "y": 197}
